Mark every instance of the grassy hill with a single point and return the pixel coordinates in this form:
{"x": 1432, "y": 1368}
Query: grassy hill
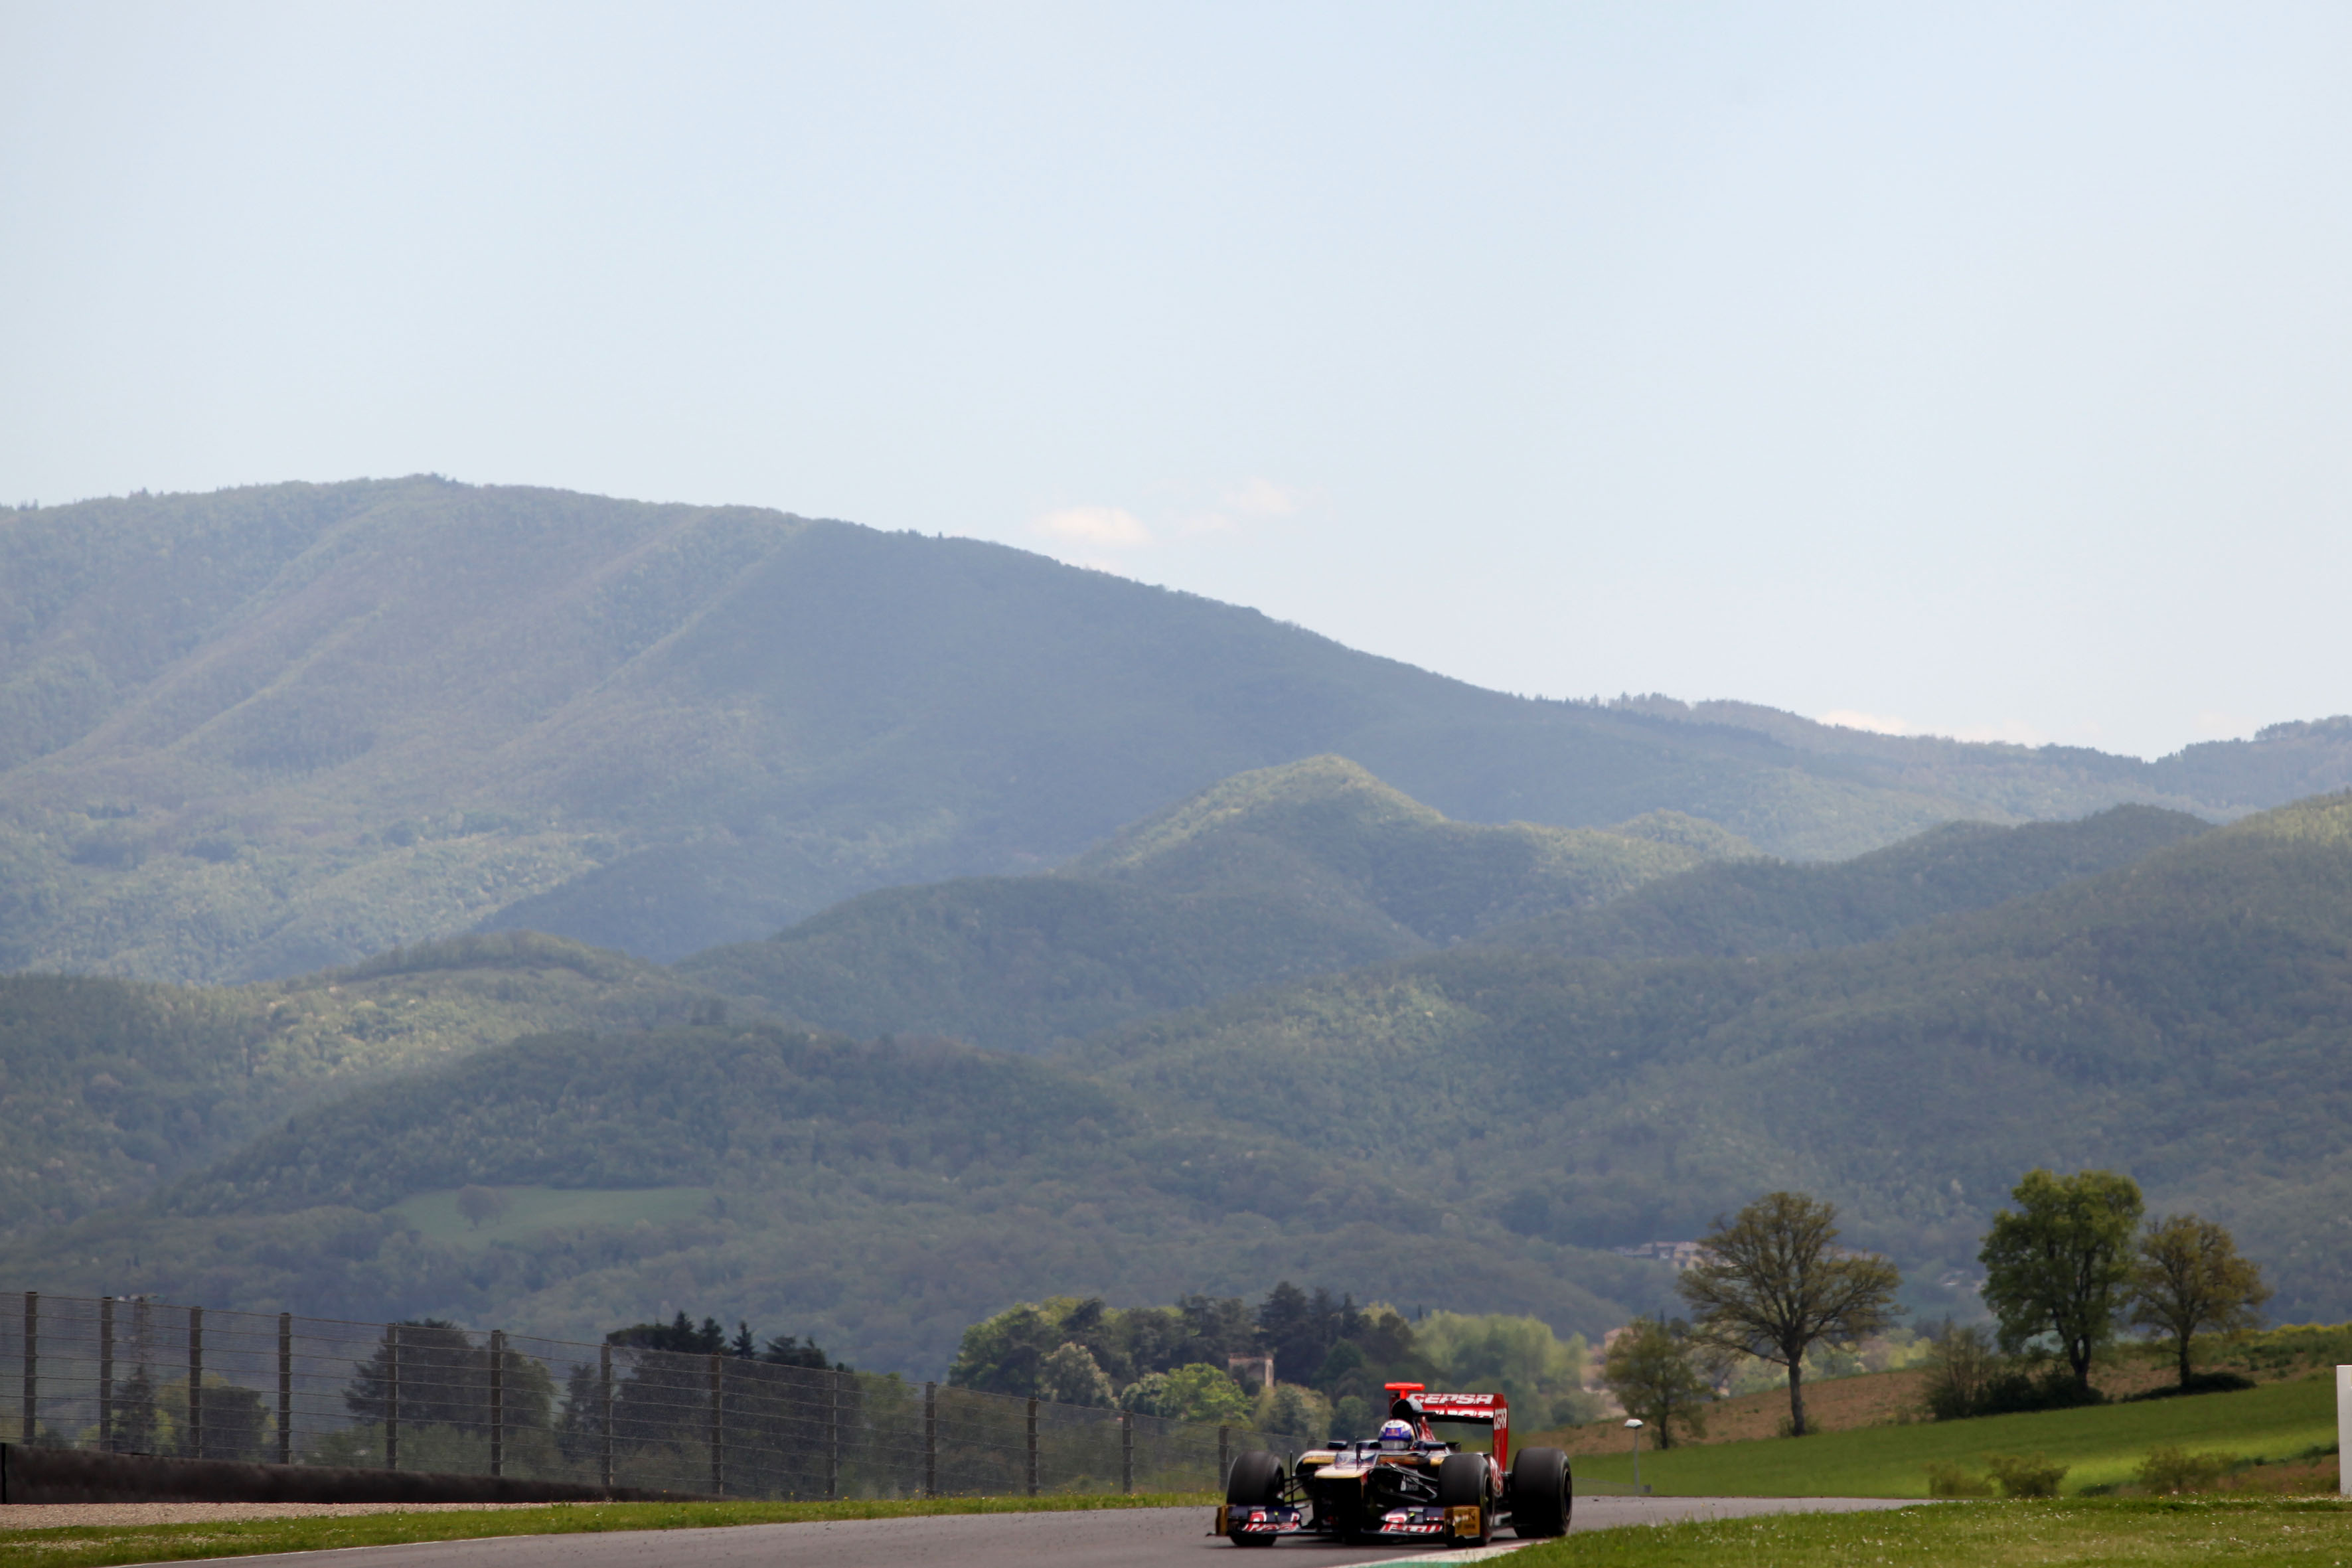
{"x": 2101, "y": 1446}
{"x": 1273, "y": 875}
{"x": 253, "y": 734}
{"x": 110, "y": 1087}
{"x": 2182, "y": 1018}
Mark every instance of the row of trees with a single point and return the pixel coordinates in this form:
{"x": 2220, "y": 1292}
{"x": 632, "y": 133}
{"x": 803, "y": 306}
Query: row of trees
{"x": 1329, "y": 1357}
{"x": 2068, "y": 1268}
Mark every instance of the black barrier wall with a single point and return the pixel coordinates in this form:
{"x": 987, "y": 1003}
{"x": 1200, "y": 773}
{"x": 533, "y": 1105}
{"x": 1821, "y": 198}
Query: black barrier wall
{"x": 137, "y": 1378}
{"x": 82, "y": 1475}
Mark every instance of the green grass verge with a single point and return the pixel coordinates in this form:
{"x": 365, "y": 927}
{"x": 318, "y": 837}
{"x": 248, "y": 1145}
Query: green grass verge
{"x": 2306, "y": 1533}
{"x": 86, "y": 1546}
{"x": 2102, "y": 1445}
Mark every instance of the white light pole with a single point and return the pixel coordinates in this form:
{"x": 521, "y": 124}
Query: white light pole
{"x": 1633, "y": 1425}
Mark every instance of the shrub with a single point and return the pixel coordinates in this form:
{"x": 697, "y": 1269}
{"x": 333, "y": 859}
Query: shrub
{"x": 1960, "y": 1363}
{"x": 1948, "y": 1480}
{"x": 2173, "y": 1469}
{"x": 2024, "y": 1388}
{"x": 2018, "y": 1476}
{"x": 2198, "y": 1382}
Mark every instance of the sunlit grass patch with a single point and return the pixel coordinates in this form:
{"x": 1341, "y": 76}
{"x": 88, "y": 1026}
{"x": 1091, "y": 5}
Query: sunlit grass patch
{"x": 2304, "y": 1532}
{"x": 88, "y": 1546}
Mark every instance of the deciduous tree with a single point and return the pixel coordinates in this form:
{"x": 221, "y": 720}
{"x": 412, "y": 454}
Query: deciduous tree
{"x": 2060, "y": 1263}
{"x": 1651, "y": 1369}
{"x": 1772, "y": 1283}
{"x": 2188, "y": 1276}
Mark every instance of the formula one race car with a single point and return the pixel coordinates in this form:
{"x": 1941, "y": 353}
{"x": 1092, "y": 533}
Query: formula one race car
{"x": 1405, "y": 1484}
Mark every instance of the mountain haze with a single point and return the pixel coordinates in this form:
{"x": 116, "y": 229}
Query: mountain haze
{"x": 1274, "y": 874}
{"x": 265, "y": 731}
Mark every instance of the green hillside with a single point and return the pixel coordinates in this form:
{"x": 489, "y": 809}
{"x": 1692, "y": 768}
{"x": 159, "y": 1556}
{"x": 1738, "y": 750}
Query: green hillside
{"x": 2101, "y": 1446}
{"x": 262, "y": 731}
{"x": 882, "y": 1196}
{"x": 110, "y": 1087}
{"x": 1758, "y": 907}
{"x": 2182, "y": 1018}
{"x": 1275, "y": 875}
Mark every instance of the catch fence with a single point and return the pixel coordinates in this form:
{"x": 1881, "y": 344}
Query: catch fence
{"x": 125, "y": 1374}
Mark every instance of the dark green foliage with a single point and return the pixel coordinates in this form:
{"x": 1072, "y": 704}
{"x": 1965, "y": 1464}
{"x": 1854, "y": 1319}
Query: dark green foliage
{"x": 678, "y": 1336}
{"x": 444, "y": 1381}
{"x": 2059, "y": 1264}
{"x": 325, "y": 720}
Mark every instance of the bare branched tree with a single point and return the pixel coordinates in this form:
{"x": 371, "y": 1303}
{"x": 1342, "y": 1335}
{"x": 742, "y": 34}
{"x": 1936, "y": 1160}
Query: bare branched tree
{"x": 2188, "y": 1276}
{"x": 1772, "y": 1283}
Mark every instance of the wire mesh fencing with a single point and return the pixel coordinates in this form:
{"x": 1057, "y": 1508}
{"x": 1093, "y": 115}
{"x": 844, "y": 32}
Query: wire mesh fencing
{"x": 129, "y": 1375}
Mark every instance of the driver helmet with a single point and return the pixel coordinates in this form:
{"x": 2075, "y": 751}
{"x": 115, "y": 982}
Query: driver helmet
{"x": 1396, "y": 1437}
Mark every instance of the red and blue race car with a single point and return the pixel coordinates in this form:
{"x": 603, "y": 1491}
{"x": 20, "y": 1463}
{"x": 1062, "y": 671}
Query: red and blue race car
{"x": 1405, "y": 1483}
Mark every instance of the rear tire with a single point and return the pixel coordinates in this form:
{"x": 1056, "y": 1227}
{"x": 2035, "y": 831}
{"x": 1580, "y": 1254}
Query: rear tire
{"x": 1255, "y": 1481}
{"x": 1541, "y": 1494}
{"x": 1462, "y": 1483}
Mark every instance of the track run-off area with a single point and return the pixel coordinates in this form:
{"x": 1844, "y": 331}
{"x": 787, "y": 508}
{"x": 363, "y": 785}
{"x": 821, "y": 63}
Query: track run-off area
{"x": 1110, "y": 1537}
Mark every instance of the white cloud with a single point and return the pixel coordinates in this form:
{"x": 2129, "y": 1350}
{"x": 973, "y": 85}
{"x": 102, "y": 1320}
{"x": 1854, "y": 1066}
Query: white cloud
{"x": 1254, "y": 501}
{"x": 2012, "y": 732}
{"x": 2214, "y": 725}
{"x": 1110, "y": 527}
{"x": 1876, "y": 724}
{"x": 1263, "y": 497}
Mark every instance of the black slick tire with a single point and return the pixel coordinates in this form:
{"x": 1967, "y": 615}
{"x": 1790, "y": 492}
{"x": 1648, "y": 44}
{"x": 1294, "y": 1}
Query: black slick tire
{"x": 1541, "y": 1494}
{"x": 1462, "y": 1483}
{"x": 1255, "y": 1481}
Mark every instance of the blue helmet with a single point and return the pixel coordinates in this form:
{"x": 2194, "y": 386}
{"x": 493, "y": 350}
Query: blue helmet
{"x": 1397, "y": 1435}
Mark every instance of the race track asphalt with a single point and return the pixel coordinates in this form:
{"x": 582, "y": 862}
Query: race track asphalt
{"x": 1115, "y": 1538}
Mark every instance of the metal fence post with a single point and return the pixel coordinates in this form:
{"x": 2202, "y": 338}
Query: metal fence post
{"x": 1225, "y": 1455}
{"x": 604, "y": 1368}
{"x": 196, "y": 1382}
{"x": 497, "y": 1401}
{"x": 1033, "y": 1444}
{"x": 931, "y": 1439}
{"x": 718, "y": 1424}
{"x": 285, "y": 1388}
{"x": 832, "y": 1435}
{"x": 106, "y": 1374}
{"x": 392, "y": 1397}
{"x": 1126, "y": 1452}
{"x": 605, "y": 1390}
{"x": 32, "y": 1361}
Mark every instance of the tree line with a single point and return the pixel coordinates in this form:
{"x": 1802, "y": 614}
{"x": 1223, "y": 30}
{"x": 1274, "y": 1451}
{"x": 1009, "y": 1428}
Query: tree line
{"x": 2068, "y": 1267}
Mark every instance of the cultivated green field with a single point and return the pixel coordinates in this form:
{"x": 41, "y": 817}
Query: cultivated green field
{"x": 2302, "y": 1533}
{"x": 2102, "y": 1445}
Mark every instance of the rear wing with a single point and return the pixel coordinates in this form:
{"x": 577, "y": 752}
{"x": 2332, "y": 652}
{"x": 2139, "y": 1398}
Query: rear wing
{"x": 1408, "y": 1401}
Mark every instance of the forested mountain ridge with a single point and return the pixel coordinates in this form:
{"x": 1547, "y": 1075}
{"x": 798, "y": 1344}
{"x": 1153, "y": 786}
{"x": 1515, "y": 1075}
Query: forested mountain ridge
{"x": 256, "y": 732}
{"x": 109, "y": 1088}
{"x": 1758, "y": 907}
{"x": 2183, "y": 1018}
{"x": 1272, "y": 875}
{"x": 1468, "y": 1125}
{"x": 882, "y": 1194}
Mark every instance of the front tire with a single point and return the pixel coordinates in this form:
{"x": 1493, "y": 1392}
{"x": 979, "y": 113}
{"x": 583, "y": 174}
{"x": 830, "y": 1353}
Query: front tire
{"x": 1256, "y": 1481}
{"x": 1541, "y": 1493}
{"x": 1462, "y": 1483}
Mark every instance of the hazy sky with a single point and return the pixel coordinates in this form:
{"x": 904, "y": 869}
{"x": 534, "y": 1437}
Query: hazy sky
{"x": 1983, "y": 368}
